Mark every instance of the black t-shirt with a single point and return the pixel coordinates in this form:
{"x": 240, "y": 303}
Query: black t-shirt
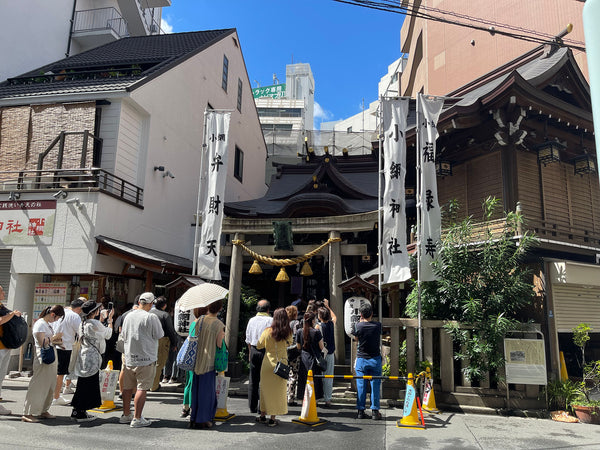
{"x": 314, "y": 337}
{"x": 368, "y": 334}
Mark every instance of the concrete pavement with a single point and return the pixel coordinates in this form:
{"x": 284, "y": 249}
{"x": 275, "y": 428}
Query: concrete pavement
{"x": 444, "y": 431}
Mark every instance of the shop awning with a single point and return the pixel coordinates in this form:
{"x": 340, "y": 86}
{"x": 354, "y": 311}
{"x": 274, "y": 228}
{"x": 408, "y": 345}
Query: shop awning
{"x": 143, "y": 257}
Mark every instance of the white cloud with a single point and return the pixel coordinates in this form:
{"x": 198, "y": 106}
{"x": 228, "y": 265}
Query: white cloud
{"x": 165, "y": 27}
{"x": 320, "y": 115}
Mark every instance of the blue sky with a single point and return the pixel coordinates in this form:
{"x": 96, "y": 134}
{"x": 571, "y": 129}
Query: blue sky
{"x": 348, "y": 48}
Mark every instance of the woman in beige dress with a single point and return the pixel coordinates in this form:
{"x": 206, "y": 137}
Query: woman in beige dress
{"x": 42, "y": 383}
{"x": 273, "y": 389}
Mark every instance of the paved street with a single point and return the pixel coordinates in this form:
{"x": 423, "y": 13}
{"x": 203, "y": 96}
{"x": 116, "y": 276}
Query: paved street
{"x": 445, "y": 431}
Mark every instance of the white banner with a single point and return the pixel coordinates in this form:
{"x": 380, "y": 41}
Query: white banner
{"x": 213, "y": 198}
{"x": 27, "y": 222}
{"x": 395, "y": 257}
{"x": 431, "y": 219}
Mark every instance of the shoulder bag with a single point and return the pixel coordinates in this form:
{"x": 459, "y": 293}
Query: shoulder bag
{"x": 221, "y": 358}
{"x": 47, "y": 352}
{"x": 186, "y": 358}
{"x": 74, "y": 355}
{"x": 281, "y": 369}
{"x": 14, "y": 332}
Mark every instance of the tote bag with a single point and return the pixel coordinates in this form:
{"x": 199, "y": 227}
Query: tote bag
{"x": 186, "y": 358}
{"x": 221, "y": 358}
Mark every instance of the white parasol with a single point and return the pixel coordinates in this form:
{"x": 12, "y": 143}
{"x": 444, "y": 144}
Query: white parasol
{"x": 201, "y": 296}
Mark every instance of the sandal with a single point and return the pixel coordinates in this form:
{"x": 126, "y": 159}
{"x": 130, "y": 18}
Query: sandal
{"x": 273, "y": 423}
{"x": 261, "y": 419}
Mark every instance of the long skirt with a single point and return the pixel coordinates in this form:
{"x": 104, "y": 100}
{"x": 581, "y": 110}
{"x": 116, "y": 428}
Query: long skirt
{"x": 306, "y": 364}
{"x": 204, "y": 397}
{"x": 41, "y": 388}
{"x": 87, "y": 395}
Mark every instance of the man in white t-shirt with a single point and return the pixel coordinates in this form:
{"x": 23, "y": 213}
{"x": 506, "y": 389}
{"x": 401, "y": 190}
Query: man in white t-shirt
{"x": 141, "y": 332}
{"x": 256, "y": 325}
{"x": 69, "y": 327}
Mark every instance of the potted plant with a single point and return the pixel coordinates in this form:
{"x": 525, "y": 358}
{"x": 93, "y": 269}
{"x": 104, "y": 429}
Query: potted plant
{"x": 586, "y": 408}
{"x": 560, "y": 395}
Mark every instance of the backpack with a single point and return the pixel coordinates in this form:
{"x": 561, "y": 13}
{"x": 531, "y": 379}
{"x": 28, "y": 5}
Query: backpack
{"x": 14, "y": 332}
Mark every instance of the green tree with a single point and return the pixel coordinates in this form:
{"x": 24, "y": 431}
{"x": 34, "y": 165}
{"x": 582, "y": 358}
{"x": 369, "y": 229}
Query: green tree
{"x": 482, "y": 284}
{"x": 581, "y": 334}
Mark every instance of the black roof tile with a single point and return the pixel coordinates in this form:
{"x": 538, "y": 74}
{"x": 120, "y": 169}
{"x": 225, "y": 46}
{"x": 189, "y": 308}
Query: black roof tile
{"x": 153, "y": 54}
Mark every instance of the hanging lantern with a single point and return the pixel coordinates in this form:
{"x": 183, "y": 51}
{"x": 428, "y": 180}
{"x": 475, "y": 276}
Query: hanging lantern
{"x": 282, "y": 276}
{"x": 255, "y": 269}
{"x": 306, "y": 271}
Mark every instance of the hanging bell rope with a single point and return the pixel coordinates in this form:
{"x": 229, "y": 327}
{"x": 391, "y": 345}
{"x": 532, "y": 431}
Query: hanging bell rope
{"x": 281, "y": 262}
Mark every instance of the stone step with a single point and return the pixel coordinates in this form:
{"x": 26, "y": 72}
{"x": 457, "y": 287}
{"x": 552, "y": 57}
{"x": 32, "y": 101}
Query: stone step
{"x": 488, "y": 401}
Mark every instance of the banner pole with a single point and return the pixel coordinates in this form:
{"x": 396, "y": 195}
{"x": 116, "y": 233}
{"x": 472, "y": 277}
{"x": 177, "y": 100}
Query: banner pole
{"x": 419, "y": 231}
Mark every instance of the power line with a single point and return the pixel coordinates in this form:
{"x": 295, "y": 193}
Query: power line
{"x": 394, "y": 6}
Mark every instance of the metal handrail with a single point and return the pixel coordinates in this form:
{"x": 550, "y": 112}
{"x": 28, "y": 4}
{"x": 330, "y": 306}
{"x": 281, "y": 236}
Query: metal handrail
{"x": 100, "y": 19}
{"x": 82, "y": 179}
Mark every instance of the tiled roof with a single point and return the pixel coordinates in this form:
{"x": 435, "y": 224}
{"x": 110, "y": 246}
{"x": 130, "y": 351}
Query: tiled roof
{"x": 153, "y": 54}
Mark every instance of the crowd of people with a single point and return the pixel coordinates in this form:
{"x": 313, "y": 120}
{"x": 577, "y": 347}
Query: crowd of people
{"x": 146, "y": 341}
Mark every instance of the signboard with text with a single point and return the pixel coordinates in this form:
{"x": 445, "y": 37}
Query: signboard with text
{"x": 27, "y": 222}
{"x": 525, "y": 361}
{"x": 275, "y": 91}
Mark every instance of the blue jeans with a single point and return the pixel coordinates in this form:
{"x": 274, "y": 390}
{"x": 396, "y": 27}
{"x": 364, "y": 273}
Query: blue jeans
{"x": 371, "y": 366}
{"x": 328, "y": 382}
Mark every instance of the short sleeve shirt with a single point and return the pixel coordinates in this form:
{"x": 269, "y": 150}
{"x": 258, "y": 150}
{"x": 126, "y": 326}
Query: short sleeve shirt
{"x": 368, "y": 334}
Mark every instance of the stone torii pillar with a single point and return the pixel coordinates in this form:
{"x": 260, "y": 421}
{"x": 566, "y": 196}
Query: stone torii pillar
{"x": 336, "y": 300}
{"x": 233, "y": 302}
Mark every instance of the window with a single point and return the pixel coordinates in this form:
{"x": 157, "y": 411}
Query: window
{"x": 239, "y": 99}
{"x": 225, "y": 73}
{"x": 349, "y": 130}
{"x": 279, "y": 112}
{"x": 238, "y": 169}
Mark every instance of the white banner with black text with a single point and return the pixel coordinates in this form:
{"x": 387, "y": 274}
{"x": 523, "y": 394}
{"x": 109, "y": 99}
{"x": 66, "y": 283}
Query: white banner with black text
{"x": 213, "y": 198}
{"x": 394, "y": 254}
{"x": 431, "y": 219}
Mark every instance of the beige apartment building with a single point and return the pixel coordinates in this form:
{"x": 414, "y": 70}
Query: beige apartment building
{"x": 444, "y": 57}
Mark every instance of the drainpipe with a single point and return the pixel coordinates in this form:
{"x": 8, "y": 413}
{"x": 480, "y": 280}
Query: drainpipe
{"x": 67, "y": 54}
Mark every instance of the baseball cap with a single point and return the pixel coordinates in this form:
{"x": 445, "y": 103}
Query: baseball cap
{"x": 147, "y": 297}
{"x": 78, "y": 302}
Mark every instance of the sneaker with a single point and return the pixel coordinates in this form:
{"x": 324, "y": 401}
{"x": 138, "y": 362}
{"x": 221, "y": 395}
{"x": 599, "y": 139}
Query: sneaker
{"x": 60, "y": 401}
{"x": 377, "y": 415}
{"x": 126, "y": 419}
{"x": 138, "y": 423}
{"x": 362, "y": 415}
{"x": 4, "y": 411}
{"x": 84, "y": 418}
{"x": 68, "y": 390}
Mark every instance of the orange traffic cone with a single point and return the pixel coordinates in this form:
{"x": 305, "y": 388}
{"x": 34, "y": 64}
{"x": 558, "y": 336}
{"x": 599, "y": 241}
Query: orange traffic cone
{"x": 564, "y": 376}
{"x": 308, "y": 415}
{"x": 410, "y": 418}
{"x": 222, "y": 415}
{"x": 428, "y": 395}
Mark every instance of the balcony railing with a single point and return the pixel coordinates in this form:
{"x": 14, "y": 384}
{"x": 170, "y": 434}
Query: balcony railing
{"x": 100, "y": 19}
{"x": 84, "y": 179}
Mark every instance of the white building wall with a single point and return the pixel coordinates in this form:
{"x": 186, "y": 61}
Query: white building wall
{"x": 129, "y": 144}
{"x": 33, "y": 33}
{"x": 109, "y": 131}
